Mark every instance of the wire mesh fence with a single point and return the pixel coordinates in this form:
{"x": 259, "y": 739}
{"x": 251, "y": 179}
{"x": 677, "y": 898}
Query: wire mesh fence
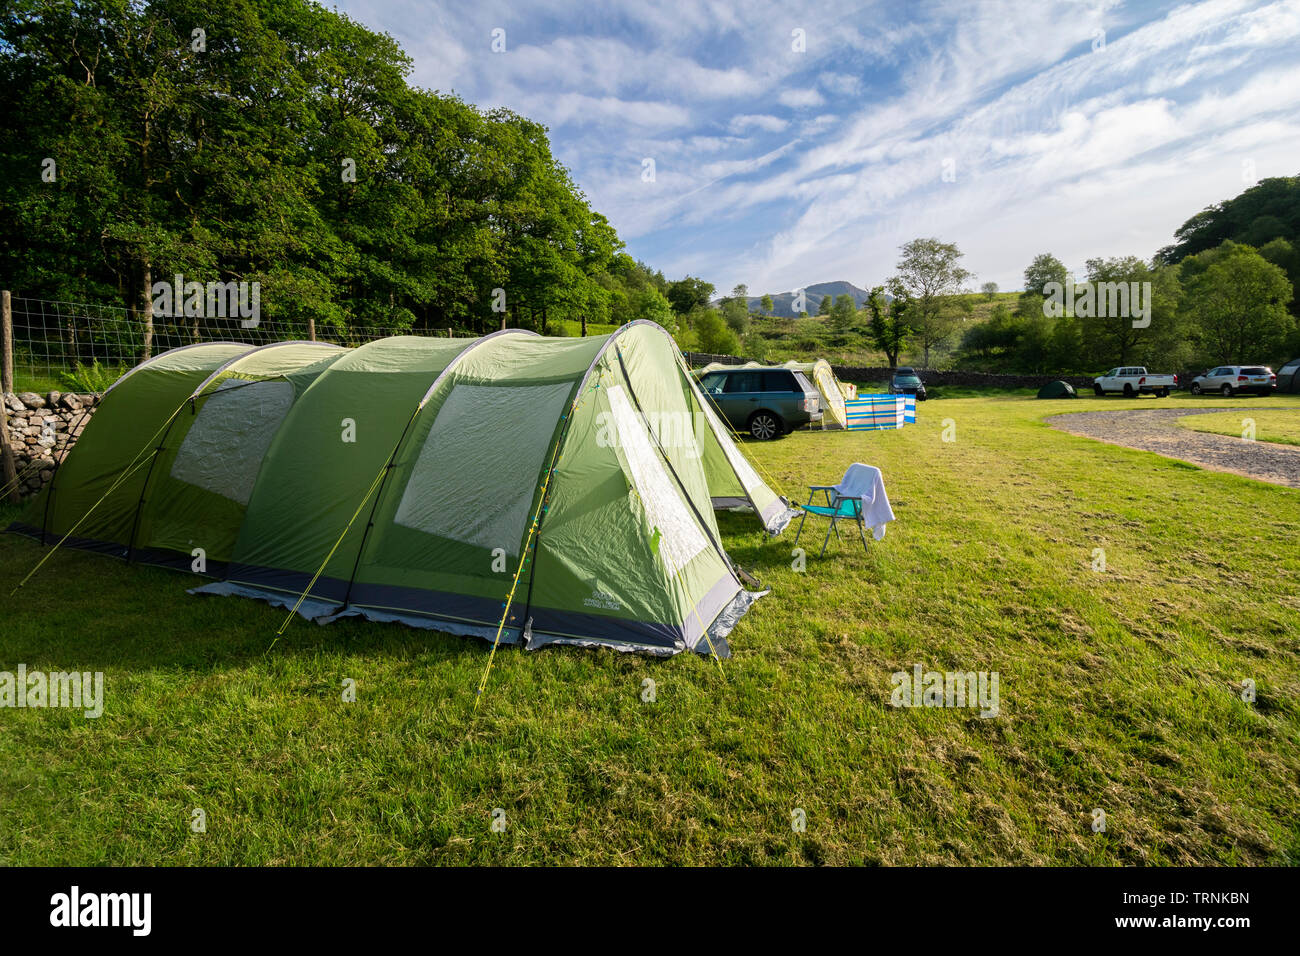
{"x": 67, "y": 342}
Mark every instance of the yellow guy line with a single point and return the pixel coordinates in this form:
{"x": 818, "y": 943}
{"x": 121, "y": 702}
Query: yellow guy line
{"x": 523, "y": 557}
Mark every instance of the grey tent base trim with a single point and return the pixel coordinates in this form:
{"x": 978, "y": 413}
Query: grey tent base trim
{"x": 779, "y": 517}
{"x": 326, "y": 612}
{"x": 311, "y": 609}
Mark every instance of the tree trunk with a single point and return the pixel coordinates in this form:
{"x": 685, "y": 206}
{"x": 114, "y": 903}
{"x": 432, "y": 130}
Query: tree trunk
{"x": 146, "y": 304}
{"x": 584, "y": 325}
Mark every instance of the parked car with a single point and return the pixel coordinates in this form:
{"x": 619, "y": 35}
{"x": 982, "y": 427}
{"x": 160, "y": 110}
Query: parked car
{"x": 1288, "y": 376}
{"x": 1132, "y": 381}
{"x": 766, "y": 402}
{"x": 905, "y": 381}
{"x": 1234, "y": 379}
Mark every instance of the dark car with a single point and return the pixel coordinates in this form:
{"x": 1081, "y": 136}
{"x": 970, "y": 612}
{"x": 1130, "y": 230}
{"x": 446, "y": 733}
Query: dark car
{"x": 905, "y": 381}
{"x": 766, "y": 402}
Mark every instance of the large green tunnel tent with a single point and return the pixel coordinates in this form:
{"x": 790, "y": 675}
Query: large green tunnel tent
{"x": 596, "y": 459}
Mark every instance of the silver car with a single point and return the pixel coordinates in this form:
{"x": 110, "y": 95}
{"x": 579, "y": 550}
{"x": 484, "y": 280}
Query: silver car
{"x": 1232, "y": 380}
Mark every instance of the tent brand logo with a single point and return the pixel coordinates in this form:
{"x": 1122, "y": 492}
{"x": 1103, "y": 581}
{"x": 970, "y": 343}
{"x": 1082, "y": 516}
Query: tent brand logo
{"x": 923, "y": 688}
{"x": 213, "y": 300}
{"x": 72, "y": 909}
{"x": 1099, "y": 300}
{"x": 603, "y": 600}
{"x": 674, "y": 430}
{"x": 23, "y": 689}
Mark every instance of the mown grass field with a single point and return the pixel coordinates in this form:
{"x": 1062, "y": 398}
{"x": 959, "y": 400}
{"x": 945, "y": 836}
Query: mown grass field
{"x": 1119, "y": 690}
{"x": 1279, "y": 425}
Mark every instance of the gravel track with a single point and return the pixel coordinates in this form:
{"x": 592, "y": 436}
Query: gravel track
{"x": 1157, "y": 430}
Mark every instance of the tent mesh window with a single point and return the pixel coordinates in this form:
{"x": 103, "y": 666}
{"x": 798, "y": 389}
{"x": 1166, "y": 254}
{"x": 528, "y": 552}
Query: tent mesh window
{"x": 231, "y": 433}
{"x": 477, "y": 472}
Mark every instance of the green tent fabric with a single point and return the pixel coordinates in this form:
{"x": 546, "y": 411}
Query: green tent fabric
{"x": 164, "y": 467}
{"x": 410, "y": 479}
{"x": 1056, "y": 390}
{"x": 462, "y": 438}
{"x": 834, "y": 414}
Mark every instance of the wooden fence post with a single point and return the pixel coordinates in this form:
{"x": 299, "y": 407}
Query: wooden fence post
{"x": 311, "y": 328}
{"x": 6, "y": 343}
{"x": 8, "y": 467}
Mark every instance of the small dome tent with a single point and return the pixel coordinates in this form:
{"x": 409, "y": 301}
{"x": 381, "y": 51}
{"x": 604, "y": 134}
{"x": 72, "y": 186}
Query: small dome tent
{"x": 1057, "y": 390}
{"x": 410, "y": 479}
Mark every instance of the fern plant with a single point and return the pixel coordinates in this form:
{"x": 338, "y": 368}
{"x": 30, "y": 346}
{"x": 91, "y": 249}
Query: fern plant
{"x": 93, "y": 377}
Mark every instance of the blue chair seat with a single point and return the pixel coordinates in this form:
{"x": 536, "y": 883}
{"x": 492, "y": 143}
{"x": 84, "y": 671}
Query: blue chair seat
{"x": 847, "y": 509}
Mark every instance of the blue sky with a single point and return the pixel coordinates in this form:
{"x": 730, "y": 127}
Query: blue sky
{"x": 1080, "y": 128}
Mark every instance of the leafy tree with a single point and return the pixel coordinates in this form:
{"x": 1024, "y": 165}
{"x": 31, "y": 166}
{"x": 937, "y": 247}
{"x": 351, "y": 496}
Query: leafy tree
{"x": 990, "y": 290}
{"x": 756, "y": 347}
{"x": 713, "y": 334}
{"x": 1268, "y": 210}
{"x": 843, "y": 312}
{"x": 1238, "y": 306}
{"x": 888, "y": 329}
{"x": 290, "y": 150}
{"x": 689, "y": 293}
{"x": 735, "y": 310}
{"x": 1044, "y": 269}
{"x": 825, "y": 307}
{"x": 932, "y": 276}
{"x": 767, "y": 305}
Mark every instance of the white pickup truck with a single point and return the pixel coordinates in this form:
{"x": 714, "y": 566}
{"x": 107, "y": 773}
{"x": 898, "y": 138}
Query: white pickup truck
{"x": 1132, "y": 381}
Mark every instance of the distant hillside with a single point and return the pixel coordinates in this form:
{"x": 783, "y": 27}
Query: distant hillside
{"x": 781, "y": 301}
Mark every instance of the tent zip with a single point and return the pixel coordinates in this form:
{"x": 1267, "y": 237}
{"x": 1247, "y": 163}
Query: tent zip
{"x": 726, "y": 559}
{"x": 543, "y": 505}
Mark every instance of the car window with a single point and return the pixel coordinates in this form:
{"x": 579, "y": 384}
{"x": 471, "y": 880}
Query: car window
{"x": 778, "y": 380}
{"x": 742, "y": 382}
{"x": 1254, "y": 370}
{"x": 712, "y": 383}
{"x": 1112, "y": 373}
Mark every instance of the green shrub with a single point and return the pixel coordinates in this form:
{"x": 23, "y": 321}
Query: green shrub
{"x": 93, "y": 377}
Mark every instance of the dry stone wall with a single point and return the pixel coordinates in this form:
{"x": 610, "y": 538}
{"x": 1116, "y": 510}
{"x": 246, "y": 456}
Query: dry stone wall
{"x": 42, "y": 429}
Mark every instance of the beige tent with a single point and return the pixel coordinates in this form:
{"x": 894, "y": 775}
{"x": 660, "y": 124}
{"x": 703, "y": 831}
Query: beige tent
{"x": 833, "y": 391}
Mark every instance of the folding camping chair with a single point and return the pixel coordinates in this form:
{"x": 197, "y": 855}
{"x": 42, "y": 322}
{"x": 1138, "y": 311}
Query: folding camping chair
{"x": 848, "y": 499}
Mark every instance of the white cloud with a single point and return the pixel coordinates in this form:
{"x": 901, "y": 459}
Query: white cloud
{"x": 796, "y": 99}
{"x": 763, "y": 121}
{"x": 1056, "y": 146}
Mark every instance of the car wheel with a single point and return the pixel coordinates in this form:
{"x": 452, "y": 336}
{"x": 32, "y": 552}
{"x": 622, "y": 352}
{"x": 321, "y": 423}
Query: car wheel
{"x": 765, "y": 426}
{"x": 1098, "y": 390}
{"x": 1128, "y": 391}
{"x": 1227, "y": 391}
{"x": 1196, "y": 388}
{"x": 1163, "y": 393}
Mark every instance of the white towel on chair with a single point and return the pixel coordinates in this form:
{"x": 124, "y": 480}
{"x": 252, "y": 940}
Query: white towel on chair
{"x": 866, "y": 482}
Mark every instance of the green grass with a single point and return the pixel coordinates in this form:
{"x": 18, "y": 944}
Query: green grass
{"x": 1273, "y": 425}
{"x": 1119, "y": 690}
{"x": 42, "y": 383}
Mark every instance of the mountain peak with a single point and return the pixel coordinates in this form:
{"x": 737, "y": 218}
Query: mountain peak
{"x": 782, "y": 301}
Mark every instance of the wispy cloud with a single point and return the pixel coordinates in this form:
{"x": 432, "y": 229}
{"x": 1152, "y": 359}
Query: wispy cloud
{"x": 795, "y": 143}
